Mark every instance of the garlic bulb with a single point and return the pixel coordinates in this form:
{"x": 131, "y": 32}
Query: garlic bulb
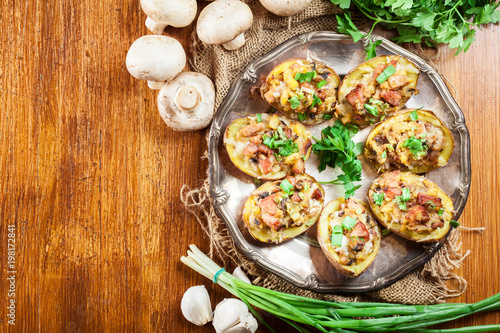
{"x": 238, "y": 272}
{"x": 232, "y": 316}
{"x": 196, "y": 306}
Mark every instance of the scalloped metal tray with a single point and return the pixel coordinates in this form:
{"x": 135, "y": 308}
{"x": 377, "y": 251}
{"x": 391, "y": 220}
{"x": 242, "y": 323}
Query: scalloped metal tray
{"x": 300, "y": 261}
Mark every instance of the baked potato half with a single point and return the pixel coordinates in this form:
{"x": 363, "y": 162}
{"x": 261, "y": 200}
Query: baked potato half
{"x": 283, "y": 209}
{"x": 303, "y": 90}
{"x": 266, "y": 146}
{"x": 349, "y": 235}
{"x": 376, "y": 88}
{"x": 411, "y": 206}
{"x": 411, "y": 140}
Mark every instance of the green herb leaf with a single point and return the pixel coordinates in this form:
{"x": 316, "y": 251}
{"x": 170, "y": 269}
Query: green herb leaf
{"x": 294, "y": 102}
{"x": 259, "y": 117}
{"x": 371, "y": 49}
{"x": 303, "y": 77}
{"x": 327, "y": 116}
{"x": 414, "y": 116}
{"x": 348, "y": 222}
{"x": 345, "y": 26}
{"x": 372, "y": 109}
{"x": 286, "y": 186}
{"x": 382, "y": 77}
{"x": 321, "y": 84}
{"x": 302, "y": 116}
{"x": 378, "y": 198}
{"x": 316, "y": 100}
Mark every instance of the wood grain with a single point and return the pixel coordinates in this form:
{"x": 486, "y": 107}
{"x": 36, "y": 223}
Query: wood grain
{"x": 90, "y": 175}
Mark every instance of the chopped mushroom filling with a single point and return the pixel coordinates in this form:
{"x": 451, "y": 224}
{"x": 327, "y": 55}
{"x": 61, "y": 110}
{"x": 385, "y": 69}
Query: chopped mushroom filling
{"x": 358, "y": 237}
{"x": 410, "y": 203}
{"x": 293, "y": 203}
{"x": 408, "y": 144}
{"x": 272, "y": 145}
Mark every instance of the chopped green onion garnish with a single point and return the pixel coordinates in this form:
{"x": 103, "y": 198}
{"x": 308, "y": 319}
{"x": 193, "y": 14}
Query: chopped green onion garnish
{"x": 303, "y": 77}
{"x": 385, "y": 74}
{"x": 402, "y": 205}
{"x": 372, "y": 121}
{"x": 337, "y": 229}
{"x": 286, "y": 186}
{"x": 378, "y": 198}
{"x": 372, "y": 109}
{"x": 385, "y": 232}
{"x": 302, "y": 116}
{"x": 431, "y": 204}
{"x": 327, "y": 116}
{"x": 348, "y": 222}
{"x": 321, "y": 83}
{"x": 359, "y": 211}
{"x": 414, "y": 115}
{"x": 384, "y": 154}
{"x": 414, "y": 144}
{"x": 259, "y": 117}
{"x": 337, "y": 239}
{"x": 390, "y": 148}
{"x": 454, "y": 223}
{"x": 316, "y": 100}
{"x": 406, "y": 194}
{"x": 294, "y": 102}
{"x": 304, "y": 157}
{"x": 440, "y": 211}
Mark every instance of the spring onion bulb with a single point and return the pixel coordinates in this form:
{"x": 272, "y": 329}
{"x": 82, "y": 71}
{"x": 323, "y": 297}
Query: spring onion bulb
{"x": 333, "y": 316}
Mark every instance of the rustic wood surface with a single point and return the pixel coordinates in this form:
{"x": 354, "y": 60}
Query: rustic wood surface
{"x": 90, "y": 175}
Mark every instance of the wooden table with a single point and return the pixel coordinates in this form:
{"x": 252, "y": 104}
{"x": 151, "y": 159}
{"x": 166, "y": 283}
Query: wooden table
{"x": 90, "y": 175}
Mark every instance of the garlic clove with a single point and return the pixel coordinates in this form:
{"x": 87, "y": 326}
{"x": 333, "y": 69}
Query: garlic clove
{"x": 196, "y": 306}
{"x": 232, "y": 316}
{"x": 238, "y": 272}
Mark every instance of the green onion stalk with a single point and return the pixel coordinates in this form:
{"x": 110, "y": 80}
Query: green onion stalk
{"x": 333, "y": 316}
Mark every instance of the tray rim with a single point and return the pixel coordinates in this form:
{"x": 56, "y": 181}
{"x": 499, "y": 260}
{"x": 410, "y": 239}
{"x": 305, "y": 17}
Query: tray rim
{"x": 219, "y": 196}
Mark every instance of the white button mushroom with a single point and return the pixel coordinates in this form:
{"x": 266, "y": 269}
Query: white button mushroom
{"x": 177, "y": 13}
{"x": 187, "y": 102}
{"x": 285, "y": 7}
{"x": 224, "y": 22}
{"x": 156, "y": 59}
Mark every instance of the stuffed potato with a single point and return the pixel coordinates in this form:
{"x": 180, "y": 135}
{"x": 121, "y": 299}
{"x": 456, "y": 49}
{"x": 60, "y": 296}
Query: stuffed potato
{"x": 411, "y": 206}
{"x": 348, "y": 235}
{"x": 283, "y": 209}
{"x": 266, "y": 146}
{"x": 411, "y": 140}
{"x": 375, "y": 89}
{"x": 303, "y": 90}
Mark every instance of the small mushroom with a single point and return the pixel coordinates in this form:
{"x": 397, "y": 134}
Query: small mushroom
{"x": 187, "y": 102}
{"x": 285, "y": 7}
{"x": 156, "y": 59}
{"x": 177, "y": 13}
{"x": 224, "y": 22}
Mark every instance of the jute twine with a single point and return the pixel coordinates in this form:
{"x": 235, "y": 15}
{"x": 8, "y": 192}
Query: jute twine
{"x": 430, "y": 284}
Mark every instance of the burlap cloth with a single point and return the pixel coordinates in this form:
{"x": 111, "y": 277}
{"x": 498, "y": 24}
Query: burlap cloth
{"x": 431, "y": 284}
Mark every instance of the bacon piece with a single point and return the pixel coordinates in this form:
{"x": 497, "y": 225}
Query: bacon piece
{"x": 392, "y": 192}
{"x": 357, "y": 97}
{"x": 360, "y": 230}
{"x": 396, "y": 81}
{"x": 391, "y": 96}
{"x": 291, "y": 180}
{"x": 265, "y": 150}
{"x": 288, "y": 132}
{"x": 271, "y": 221}
{"x": 422, "y": 199}
{"x": 265, "y": 165}
{"x": 251, "y": 149}
{"x": 352, "y": 206}
{"x": 417, "y": 215}
{"x": 394, "y": 62}
{"x": 433, "y": 156}
{"x": 296, "y": 198}
{"x": 436, "y": 225}
{"x": 378, "y": 70}
{"x": 317, "y": 194}
{"x": 390, "y": 179}
{"x": 357, "y": 244}
{"x": 251, "y": 130}
{"x": 298, "y": 166}
{"x": 268, "y": 204}
{"x": 257, "y": 139}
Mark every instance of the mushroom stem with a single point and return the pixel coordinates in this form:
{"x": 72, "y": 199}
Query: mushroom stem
{"x": 155, "y": 27}
{"x": 236, "y": 43}
{"x": 155, "y": 85}
{"x": 187, "y": 98}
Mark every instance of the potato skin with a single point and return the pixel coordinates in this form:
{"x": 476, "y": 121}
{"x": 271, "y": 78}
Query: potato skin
{"x": 253, "y": 211}
{"x": 392, "y": 218}
{"x": 235, "y": 144}
{"x": 402, "y": 116}
{"x": 363, "y": 73}
{"x": 284, "y": 73}
{"x": 325, "y": 243}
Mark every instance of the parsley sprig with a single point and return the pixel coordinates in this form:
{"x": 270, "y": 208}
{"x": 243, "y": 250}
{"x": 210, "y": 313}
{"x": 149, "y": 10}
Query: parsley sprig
{"x": 336, "y": 149}
{"x": 428, "y": 21}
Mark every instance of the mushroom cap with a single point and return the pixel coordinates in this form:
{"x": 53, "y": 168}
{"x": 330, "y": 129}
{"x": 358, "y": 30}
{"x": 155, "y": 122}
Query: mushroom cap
{"x": 285, "y": 7}
{"x": 187, "y": 102}
{"x": 223, "y": 20}
{"x": 177, "y": 13}
{"x": 155, "y": 58}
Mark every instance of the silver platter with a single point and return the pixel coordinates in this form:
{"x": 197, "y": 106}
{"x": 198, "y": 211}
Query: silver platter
{"x": 300, "y": 261}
